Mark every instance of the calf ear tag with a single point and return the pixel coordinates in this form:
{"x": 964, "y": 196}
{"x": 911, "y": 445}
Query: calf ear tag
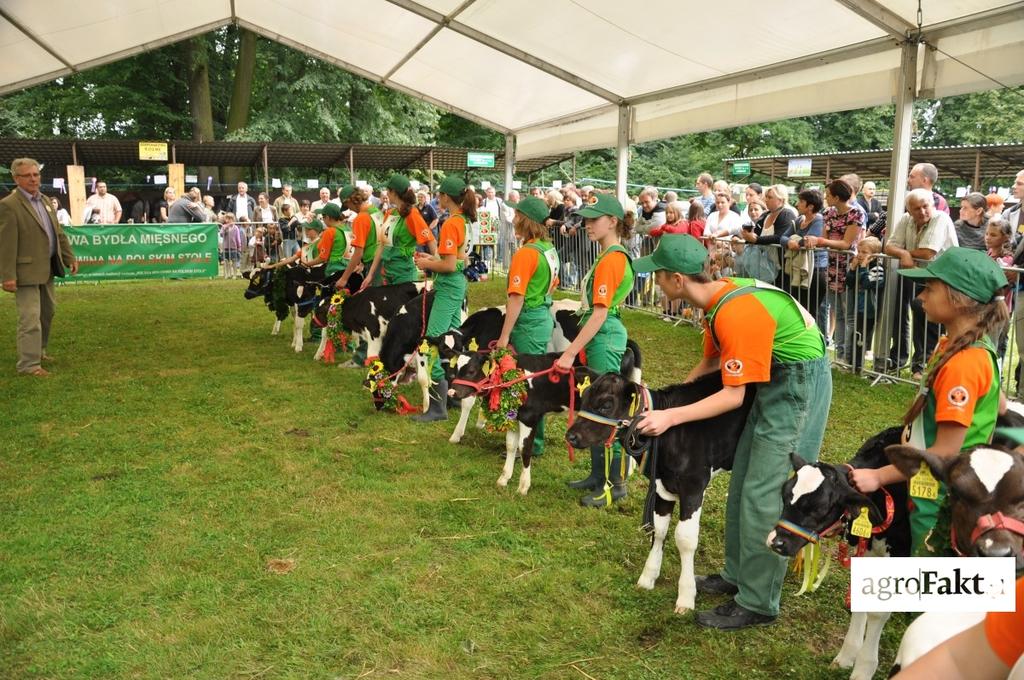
{"x": 424, "y": 346}
{"x": 862, "y": 525}
{"x": 582, "y": 387}
{"x": 923, "y": 484}
{"x": 488, "y": 367}
{"x": 473, "y": 346}
{"x": 452, "y": 361}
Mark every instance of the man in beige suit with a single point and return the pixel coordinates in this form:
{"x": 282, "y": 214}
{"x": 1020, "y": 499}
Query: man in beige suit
{"x": 33, "y": 249}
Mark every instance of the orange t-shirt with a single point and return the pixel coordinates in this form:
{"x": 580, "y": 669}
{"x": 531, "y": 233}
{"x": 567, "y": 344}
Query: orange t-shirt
{"x": 326, "y": 243}
{"x": 607, "y": 276}
{"x": 522, "y": 269}
{"x": 1005, "y": 630}
{"x": 452, "y": 235}
{"x": 418, "y": 228}
{"x": 747, "y": 333}
{"x": 966, "y": 378}
{"x": 361, "y": 227}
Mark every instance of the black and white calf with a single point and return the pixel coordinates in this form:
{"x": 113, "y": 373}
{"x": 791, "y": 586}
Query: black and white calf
{"x": 301, "y": 294}
{"x": 819, "y": 499}
{"x": 688, "y": 456}
{"x": 366, "y": 314}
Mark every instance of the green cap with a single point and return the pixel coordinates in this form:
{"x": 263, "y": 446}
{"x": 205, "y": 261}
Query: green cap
{"x": 453, "y": 186}
{"x": 1014, "y": 434}
{"x": 969, "y": 271}
{"x": 314, "y": 224}
{"x": 398, "y": 183}
{"x": 606, "y": 204}
{"x": 679, "y": 253}
{"x": 345, "y": 192}
{"x": 532, "y": 207}
{"x": 329, "y": 210}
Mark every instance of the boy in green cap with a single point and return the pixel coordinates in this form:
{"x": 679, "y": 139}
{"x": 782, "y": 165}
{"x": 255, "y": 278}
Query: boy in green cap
{"x": 959, "y": 399}
{"x": 449, "y": 283}
{"x": 402, "y": 230}
{"x": 759, "y": 335}
{"x": 602, "y": 333}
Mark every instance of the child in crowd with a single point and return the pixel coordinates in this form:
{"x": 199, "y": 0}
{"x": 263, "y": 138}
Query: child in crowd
{"x": 864, "y": 282}
{"x": 259, "y": 253}
{"x": 999, "y": 242}
{"x": 231, "y": 247}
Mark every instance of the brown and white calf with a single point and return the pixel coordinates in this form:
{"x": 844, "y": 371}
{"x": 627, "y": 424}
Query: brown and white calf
{"x": 688, "y": 456}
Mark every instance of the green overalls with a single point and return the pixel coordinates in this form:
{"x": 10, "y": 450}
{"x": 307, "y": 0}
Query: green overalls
{"x": 605, "y": 349}
{"x": 337, "y": 261}
{"x": 449, "y": 294}
{"x": 930, "y": 518}
{"x": 788, "y": 415}
{"x": 396, "y": 262}
{"x": 535, "y": 324}
{"x": 370, "y": 249}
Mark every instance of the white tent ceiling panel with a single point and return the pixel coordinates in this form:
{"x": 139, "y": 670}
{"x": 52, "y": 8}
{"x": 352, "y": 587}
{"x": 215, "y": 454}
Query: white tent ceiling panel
{"x": 474, "y": 77}
{"x": 937, "y": 12}
{"x": 595, "y": 131}
{"x": 997, "y": 52}
{"x": 88, "y": 32}
{"x": 371, "y": 34}
{"x": 21, "y": 59}
{"x": 444, "y": 7}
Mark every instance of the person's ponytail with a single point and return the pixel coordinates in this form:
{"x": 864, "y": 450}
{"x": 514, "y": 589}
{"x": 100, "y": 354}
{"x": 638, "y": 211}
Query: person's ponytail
{"x": 468, "y": 203}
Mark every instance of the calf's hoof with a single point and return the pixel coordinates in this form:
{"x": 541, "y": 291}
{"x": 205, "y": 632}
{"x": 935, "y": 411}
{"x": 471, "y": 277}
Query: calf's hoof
{"x": 645, "y": 583}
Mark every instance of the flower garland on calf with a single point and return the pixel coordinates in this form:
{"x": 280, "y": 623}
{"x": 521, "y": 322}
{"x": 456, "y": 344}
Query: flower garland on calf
{"x": 501, "y": 407}
{"x": 336, "y": 335}
{"x": 383, "y": 392}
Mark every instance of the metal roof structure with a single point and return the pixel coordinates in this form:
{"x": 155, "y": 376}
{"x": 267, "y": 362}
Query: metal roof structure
{"x": 564, "y": 75}
{"x": 58, "y": 153}
{"x": 970, "y": 164}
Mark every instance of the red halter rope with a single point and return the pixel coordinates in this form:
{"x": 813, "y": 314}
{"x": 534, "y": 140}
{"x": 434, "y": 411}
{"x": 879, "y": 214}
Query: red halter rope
{"x": 985, "y": 524}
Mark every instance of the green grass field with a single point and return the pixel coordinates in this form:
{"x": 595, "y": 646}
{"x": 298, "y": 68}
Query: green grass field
{"x": 180, "y": 458}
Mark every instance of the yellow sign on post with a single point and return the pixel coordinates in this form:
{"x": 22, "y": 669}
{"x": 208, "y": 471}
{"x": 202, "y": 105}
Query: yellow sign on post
{"x": 152, "y": 151}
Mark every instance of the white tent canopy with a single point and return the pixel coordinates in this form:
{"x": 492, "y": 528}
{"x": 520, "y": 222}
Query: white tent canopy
{"x": 558, "y": 74}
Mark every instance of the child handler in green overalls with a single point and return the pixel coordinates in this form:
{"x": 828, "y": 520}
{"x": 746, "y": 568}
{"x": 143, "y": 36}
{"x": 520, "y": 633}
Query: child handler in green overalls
{"x": 449, "y": 282}
{"x": 959, "y": 399}
{"x": 365, "y": 243}
{"x": 602, "y": 334}
{"x": 333, "y": 248}
{"x": 532, "y": 277}
{"x": 402, "y": 231}
{"x": 754, "y": 333}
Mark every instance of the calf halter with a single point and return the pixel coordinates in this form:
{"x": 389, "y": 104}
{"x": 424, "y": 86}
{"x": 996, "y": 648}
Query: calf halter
{"x": 986, "y": 523}
{"x": 641, "y": 403}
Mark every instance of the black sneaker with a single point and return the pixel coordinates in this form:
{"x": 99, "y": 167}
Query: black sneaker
{"x": 715, "y": 585}
{"x": 732, "y": 616}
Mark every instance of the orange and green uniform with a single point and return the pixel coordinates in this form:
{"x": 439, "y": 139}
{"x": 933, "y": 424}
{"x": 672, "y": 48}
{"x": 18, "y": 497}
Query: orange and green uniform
{"x": 1005, "y": 630}
{"x": 449, "y": 287}
{"x": 364, "y": 235}
{"x": 607, "y": 285}
{"x": 763, "y": 337}
{"x": 399, "y": 238}
{"x": 533, "y": 274}
{"x": 965, "y": 392}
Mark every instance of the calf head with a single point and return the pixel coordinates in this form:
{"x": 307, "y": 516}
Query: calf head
{"x": 609, "y": 396}
{"x": 470, "y": 367}
{"x": 816, "y": 498}
{"x": 986, "y": 489}
{"x": 449, "y": 347}
{"x": 259, "y": 283}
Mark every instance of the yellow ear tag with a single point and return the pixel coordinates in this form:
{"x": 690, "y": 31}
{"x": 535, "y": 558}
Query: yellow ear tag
{"x": 424, "y": 346}
{"x": 488, "y": 367}
{"x": 634, "y": 403}
{"x": 472, "y": 345}
{"x": 923, "y": 484}
{"x": 582, "y": 387}
{"x": 862, "y": 525}
{"x": 451, "y": 362}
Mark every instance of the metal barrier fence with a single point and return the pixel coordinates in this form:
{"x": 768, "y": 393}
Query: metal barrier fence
{"x": 871, "y": 317}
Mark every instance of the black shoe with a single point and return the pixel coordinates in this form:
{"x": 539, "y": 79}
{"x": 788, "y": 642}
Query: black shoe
{"x": 714, "y": 584}
{"x": 732, "y": 616}
{"x": 595, "y": 482}
{"x": 438, "y": 407}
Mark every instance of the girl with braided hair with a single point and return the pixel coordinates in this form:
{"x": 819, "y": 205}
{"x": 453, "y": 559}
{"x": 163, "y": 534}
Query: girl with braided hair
{"x": 959, "y": 399}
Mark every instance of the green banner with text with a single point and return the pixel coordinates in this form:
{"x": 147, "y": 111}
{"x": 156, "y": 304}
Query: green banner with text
{"x": 144, "y": 251}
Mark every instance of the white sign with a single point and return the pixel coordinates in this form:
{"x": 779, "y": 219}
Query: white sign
{"x": 312, "y": 184}
{"x": 932, "y": 584}
{"x": 159, "y": 179}
{"x": 191, "y": 179}
{"x": 275, "y": 183}
{"x": 557, "y": 184}
{"x": 516, "y": 184}
{"x": 484, "y": 184}
{"x": 361, "y": 184}
{"x": 58, "y": 183}
{"x": 961, "y": 192}
{"x": 798, "y": 167}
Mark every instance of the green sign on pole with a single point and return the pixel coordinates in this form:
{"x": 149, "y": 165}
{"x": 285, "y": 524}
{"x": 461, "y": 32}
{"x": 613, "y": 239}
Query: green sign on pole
{"x": 741, "y": 168}
{"x": 111, "y": 253}
{"x": 479, "y": 159}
